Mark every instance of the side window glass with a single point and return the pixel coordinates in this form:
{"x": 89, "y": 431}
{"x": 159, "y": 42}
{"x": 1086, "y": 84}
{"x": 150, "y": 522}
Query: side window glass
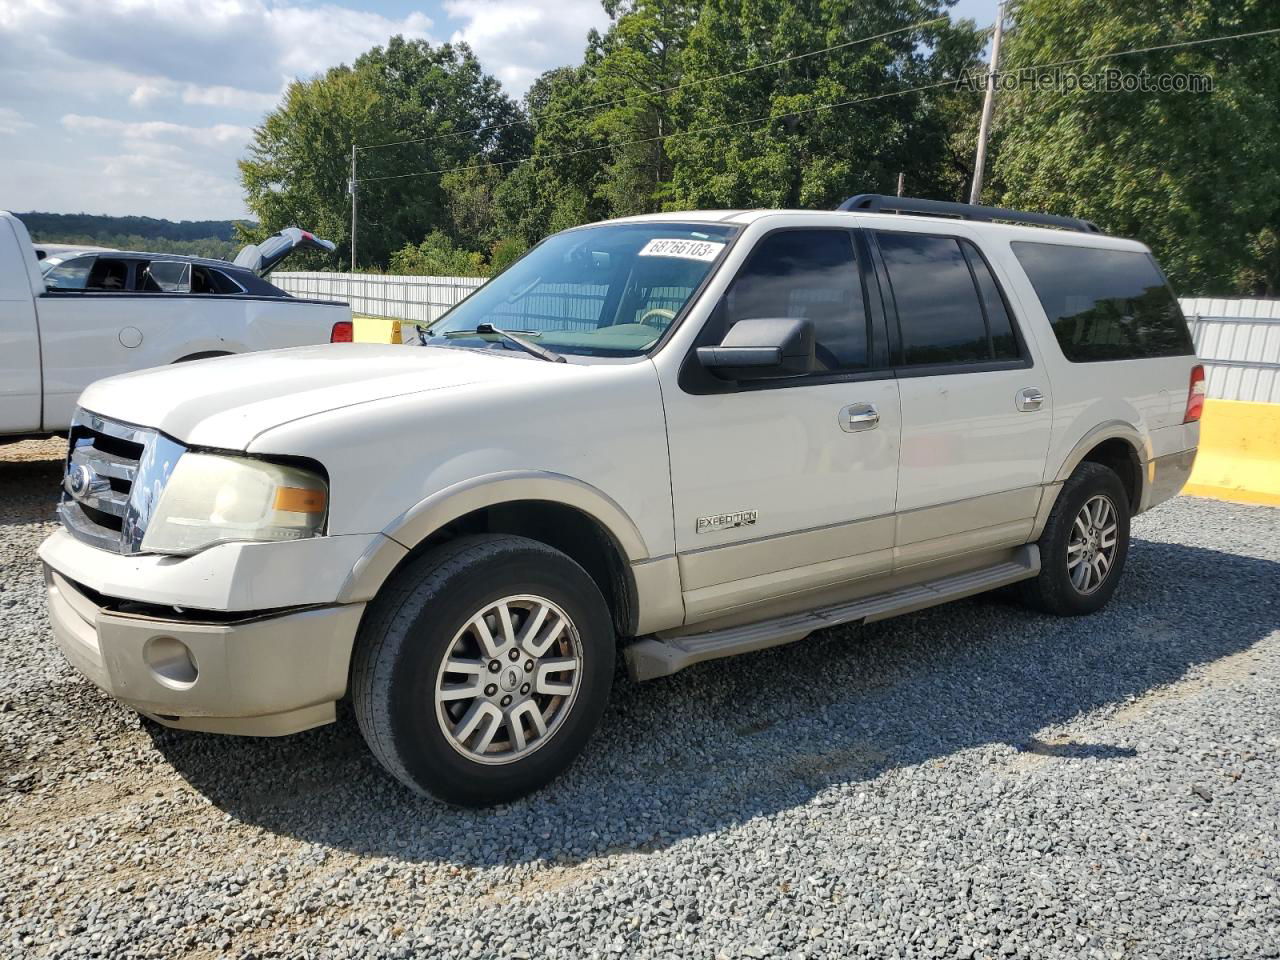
{"x": 1105, "y": 304}
{"x": 939, "y": 313}
{"x": 1004, "y": 345}
{"x": 811, "y": 274}
{"x": 71, "y": 275}
{"x": 166, "y": 276}
{"x": 108, "y": 274}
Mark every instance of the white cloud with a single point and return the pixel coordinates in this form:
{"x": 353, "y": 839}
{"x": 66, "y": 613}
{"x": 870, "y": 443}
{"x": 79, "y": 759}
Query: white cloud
{"x": 231, "y": 97}
{"x": 11, "y": 122}
{"x": 517, "y": 40}
{"x": 145, "y": 94}
{"x": 245, "y": 45}
{"x": 219, "y": 134}
{"x": 144, "y": 106}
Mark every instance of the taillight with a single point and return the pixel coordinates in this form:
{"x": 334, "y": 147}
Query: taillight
{"x": 342, "y": 332}
{"x": 1195, "y": 395}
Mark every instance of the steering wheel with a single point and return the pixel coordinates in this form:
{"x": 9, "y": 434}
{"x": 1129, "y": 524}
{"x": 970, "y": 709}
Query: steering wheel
{"x": 662, "y": 312}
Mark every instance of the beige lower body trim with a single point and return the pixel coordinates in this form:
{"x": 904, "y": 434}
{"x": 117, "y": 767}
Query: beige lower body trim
{"x": 658, "y": 597}
{"x": 262, "y": 676}
{"x": 1165, "y": 477}
{"x": 724, "y": 580}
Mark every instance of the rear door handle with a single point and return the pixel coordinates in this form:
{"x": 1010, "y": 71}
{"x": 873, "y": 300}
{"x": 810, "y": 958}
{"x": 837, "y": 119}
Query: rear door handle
{"x": 1028, "y": 399}
{"x": 857, "y": 417}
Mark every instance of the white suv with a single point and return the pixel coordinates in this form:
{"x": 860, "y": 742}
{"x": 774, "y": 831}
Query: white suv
{"x": 681, "y": 436}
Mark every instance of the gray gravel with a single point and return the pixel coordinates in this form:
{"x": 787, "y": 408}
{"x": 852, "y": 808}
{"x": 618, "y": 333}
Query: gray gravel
{"x": 972, "y": 781}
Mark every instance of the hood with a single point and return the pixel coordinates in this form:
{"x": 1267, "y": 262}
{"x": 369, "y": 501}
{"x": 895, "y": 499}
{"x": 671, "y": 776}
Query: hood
{"x": 226, "y": 402}
{"x": 263, "y": 257}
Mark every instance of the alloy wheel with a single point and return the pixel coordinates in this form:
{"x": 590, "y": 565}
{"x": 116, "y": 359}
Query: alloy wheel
{"x": 508, "y": 680}
{"x": 1091, "y": 549}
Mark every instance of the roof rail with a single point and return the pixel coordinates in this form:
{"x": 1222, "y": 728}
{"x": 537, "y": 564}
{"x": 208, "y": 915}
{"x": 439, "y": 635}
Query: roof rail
{"x": 877, "y": 203}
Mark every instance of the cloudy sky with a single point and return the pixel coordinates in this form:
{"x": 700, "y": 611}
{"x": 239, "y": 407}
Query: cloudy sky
{"x": 143, "y": 106}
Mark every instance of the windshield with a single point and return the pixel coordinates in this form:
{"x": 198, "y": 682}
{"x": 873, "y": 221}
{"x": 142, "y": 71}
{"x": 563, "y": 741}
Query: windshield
{"x": 607, "y": 291}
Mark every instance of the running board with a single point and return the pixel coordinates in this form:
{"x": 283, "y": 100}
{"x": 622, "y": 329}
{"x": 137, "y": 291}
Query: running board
{"x": 652, "y": 657}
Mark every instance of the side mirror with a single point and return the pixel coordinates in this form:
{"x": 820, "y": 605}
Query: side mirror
{"x": 762, "y": 349}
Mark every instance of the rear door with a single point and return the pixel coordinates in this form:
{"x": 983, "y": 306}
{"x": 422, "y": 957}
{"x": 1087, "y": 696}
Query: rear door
{"x": 975, "y": 402}
{"x": 132, "y": 313}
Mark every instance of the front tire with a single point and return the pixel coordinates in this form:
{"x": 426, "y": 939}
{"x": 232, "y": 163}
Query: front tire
{"x": 483, "y": 668}
{"x": 1083, "y": 546}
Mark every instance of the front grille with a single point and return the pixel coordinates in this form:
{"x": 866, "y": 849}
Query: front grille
{"x": 114, "y": 473}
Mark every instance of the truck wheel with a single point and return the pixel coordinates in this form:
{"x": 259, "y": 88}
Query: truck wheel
{"x": 482, "y": 669}
{"x": 1083, "y": 546}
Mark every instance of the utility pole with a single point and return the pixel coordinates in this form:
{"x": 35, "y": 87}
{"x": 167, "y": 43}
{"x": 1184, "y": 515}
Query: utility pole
{"x": 988, "y": 108}
{"x": 901, "y": 183}
{"x": 351, "y": 189}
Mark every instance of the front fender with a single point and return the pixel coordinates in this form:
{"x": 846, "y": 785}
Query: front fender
{"x": 439, "y": 509}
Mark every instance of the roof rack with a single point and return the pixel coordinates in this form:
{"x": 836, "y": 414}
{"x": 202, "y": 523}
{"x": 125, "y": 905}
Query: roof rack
{"x": 877, "y": 203}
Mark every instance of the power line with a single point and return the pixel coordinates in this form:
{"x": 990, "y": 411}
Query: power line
{"x": 817, "y": 109}
{"x": 654, "y": 93}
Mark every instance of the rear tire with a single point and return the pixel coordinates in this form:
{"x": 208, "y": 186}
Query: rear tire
{"x": 1083, "y": 546}
{"x": 529, "y": 646}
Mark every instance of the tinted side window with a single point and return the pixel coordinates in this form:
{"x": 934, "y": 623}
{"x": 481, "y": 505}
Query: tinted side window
{"x": 939, "y": 313}
{"x": 71, "y": 275}
{"x": 1105, "y": 304}
{"x": 811, "y": 274}
{"x": 1004, "y": 345}
{"x": 108, "y": 274}
{"x": 164, "y": 276}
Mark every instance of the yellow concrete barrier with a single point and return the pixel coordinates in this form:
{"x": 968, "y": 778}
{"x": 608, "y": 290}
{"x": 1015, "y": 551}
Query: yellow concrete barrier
{"x": 376, "y": 329}
{"x": 1239, "y": 456}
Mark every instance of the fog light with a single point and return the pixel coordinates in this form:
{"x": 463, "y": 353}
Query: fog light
{"x": 171, "y": 661}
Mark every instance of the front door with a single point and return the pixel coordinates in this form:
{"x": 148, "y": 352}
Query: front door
{"x": 784, "y": 487}
{"x": 975, "y": 403}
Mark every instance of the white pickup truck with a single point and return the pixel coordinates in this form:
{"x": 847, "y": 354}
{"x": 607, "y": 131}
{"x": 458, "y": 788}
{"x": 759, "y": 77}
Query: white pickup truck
{"x": 678, "y": 437}
{"x": 67, "y": 323}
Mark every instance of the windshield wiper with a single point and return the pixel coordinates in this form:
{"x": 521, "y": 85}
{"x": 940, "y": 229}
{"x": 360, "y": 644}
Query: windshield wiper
{"x": 528, "y": 346}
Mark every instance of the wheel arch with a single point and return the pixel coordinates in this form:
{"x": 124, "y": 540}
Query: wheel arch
{"x": 566, "y": 514}
{"x": 1119, "y": 447}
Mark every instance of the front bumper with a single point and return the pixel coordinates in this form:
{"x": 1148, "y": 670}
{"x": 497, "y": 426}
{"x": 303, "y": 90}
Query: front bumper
{"x": 264, "y": 675}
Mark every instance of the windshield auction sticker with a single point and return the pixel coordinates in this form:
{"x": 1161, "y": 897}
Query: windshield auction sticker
{"x": 684, "y": 249}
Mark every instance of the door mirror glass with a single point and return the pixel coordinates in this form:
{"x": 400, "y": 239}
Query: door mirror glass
{"x": 765, "y": 348}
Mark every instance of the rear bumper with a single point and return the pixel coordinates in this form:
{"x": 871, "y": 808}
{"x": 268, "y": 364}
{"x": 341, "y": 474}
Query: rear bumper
{"x": 1166, "y": 477}
{"x": 258, "y": 676}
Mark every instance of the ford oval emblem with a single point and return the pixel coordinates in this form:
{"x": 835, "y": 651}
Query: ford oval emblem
{"x": 79, "y": 481}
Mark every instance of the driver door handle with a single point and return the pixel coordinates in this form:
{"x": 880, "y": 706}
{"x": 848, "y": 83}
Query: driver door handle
{"x": 857, "y": 417}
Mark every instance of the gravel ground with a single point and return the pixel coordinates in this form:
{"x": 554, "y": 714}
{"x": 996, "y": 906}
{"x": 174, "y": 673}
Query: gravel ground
{"x": 972, "y": 781}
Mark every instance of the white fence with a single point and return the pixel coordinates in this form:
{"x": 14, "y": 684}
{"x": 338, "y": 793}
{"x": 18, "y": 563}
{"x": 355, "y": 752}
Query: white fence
{"x": 419, "y": 299}
{"x": 1239, "y": 342}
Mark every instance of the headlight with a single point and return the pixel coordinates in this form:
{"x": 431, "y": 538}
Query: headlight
{"x": 213, "y": 499}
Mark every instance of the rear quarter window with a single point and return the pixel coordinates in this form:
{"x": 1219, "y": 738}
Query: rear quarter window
{"x": 1105, "y": 304}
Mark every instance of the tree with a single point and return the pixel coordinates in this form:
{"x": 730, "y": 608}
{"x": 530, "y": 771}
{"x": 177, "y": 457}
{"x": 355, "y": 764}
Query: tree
{"x": 1193, "y": 175}
{"x": 438, "y": 256}
{"x": 415, "y": 108}
{"x": 816, "y": 154}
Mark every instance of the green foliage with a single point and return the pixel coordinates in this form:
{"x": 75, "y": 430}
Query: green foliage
{"x": 438, "y": 256}
{"x": 1193, "y": 175}
{"x": 817, "y": 156}
{"x": 506, "y": 252}
{"x": 299, "y": 162}
{"x": 672, "y": 107}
